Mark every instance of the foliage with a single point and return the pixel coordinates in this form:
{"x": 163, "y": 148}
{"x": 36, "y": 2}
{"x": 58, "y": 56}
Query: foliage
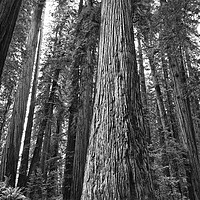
{"x": 13, "y": 66}
{"x": 11, "y": 193}
{"x": 160, "y": 25}
{"x": 169, "y": 186}
{"x": 36, "y": 187}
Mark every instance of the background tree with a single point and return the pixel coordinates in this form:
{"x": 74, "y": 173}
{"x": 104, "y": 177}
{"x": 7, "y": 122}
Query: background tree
{"x": 9, "y": 11}
{"x": 15, "y": 129}
{"x": 60, "y": 114}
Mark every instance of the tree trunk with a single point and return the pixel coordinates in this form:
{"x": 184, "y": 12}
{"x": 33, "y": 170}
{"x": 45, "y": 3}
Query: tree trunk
{"x": 54, "y": 151}
{"x": 69, "y": 174}
{"x": 22, "y": 181}
{"x": 170, "y": 107}
{"x": 143, "y": 89}
{"x": 71, "y": 134}
{"x": 15, "y": 129}
{"x": 47, "y": 137}
{"x": 48, "y": 110}
{"x": 194, "y": 99}
{"x": 185, "y": 117}
{"x": 9, "y": 11}
{"x": 159, "y": 96}
{"x": 117, "y": 163}
{"x": 37, "y": 151}
{"x": 83, "y": 127}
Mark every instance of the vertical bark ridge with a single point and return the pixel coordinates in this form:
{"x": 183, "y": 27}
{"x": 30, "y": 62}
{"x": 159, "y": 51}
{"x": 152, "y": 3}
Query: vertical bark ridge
{"x": 25, "y": 153}
{"x": 72, "y": 128}
{"x": 9, "y": 11}
{"x": 83, "y": 126}
{"x": 117, "y": 164}
{"x": 143, "y": 88}
{"x": 185, "y": 117}
{"x": 15, "y": 129}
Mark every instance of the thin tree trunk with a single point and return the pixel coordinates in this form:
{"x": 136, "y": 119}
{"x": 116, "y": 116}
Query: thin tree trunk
{"x": 53, "y": 190}
{"x": 69, "y": 173}
{"x": 186, "y": 122}
{"x": 9, "y": 11}
{"x": 45, "y": 155}
{"x": 159, "y": 96}
{"x": 83, "y": 127}
{"x": 15, "y": 129}
{"x": 143, "y": 89}
{"x": 170, "y": 107}
{"x": 48, "y": 110}
{"x": 176, "y": 166}
{"x": 117, "y": 164}
{"x": 47, "y": 137}
{"x": 38, "y": 147}
{"x": 56, "y": 138}
{"x": 194, "y": 99}
{"x": 71, "y": 134}
{"x": 22, "y": 181}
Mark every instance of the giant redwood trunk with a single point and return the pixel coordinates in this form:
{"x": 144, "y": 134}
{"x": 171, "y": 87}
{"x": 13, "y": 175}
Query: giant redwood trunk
{"x": 117, "y": 162}
{"x": 15, "y": 129}
{"x": 9, "y": 11}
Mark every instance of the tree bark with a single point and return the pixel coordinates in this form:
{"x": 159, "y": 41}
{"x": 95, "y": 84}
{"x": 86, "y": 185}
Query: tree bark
{"x": 117, "y": 162}
{"x": 71, "y": 134}
{"x": 170, "y": 107}
{"x": 38, "y": 147}
{"x": 83, "y": 127}
{"x": 159, "y": 96}
{"x": 69, "y": 173}
{"x": 22, "y": 181}
{"x": 143, "y": 89}
{"x": 47, "y": 137}
{"x": 5, "y": 112}
{"x": 15, "y": 129}
{"x": 9, "y": 11}
{"x": 44, "y": 128}
{"x": 54, "y": 154}
{"x": 185, "y": 118}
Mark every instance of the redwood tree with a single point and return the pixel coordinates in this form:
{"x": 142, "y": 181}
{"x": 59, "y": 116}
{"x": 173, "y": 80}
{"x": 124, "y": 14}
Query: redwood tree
{"x": 117, "y": 161}
{"x": 15, "y": 129}
{"x": 9, "y": 11}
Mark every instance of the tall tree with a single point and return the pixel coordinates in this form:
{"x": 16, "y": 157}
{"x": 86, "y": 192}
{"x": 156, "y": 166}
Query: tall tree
{"x": 174, "y": 20}
{"x": 86, "y": 92}
{"x": 72, "y": 127}
{"x": 9, "y": 11}
{"x": 117, "y": 161}
{"x": 15, "y": 129}
{"x": 72, "y": 124}
{"x": 143, "y": 88}
{"x": 27, "y": 140}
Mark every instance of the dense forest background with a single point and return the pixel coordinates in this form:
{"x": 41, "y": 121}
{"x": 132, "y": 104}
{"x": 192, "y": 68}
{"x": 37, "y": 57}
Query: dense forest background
{"x": 100, "y": 100}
